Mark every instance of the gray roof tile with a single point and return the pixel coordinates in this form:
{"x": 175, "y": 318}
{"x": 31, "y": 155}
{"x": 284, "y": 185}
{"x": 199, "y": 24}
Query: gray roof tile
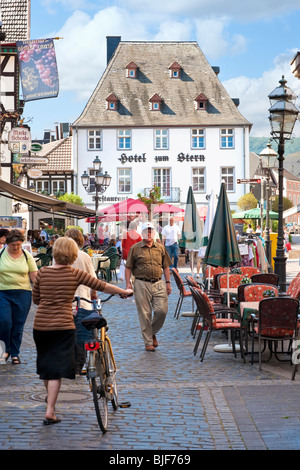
{"x": 153, "y": 60}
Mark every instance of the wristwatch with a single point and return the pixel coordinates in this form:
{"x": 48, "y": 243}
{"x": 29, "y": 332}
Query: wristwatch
{"x": 168, "y": 282}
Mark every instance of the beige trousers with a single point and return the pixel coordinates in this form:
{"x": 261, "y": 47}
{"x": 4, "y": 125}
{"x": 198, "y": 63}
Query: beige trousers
{"x": 150, "y": 297}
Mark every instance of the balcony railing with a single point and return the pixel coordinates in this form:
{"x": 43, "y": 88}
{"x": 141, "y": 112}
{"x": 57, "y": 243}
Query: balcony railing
{"x": 168, "y": 195}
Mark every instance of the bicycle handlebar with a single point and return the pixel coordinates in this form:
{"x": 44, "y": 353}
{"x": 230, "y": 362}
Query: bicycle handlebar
{"x": 93, "y": 301}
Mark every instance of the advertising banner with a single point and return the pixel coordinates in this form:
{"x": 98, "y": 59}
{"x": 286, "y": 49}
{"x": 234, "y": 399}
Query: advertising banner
{"x": 38, "y": 69}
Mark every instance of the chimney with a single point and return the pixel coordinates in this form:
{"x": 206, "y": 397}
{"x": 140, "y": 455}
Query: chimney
{"x": 111, "y": 45}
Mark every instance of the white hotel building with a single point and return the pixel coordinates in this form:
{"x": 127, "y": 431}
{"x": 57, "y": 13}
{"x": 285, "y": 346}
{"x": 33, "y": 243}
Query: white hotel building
{"x": 160, "y": 116}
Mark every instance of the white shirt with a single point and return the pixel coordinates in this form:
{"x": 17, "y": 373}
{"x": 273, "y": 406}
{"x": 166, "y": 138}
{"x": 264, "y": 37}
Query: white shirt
{"x": 84, "y": 263}
{"x": 171, "y": 233}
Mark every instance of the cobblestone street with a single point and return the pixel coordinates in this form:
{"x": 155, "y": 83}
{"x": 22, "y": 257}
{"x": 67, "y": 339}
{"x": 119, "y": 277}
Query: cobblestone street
{"x": 177, "y": 402}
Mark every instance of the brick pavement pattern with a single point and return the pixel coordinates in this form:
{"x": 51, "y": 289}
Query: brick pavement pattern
{"x": 177, "y": 402}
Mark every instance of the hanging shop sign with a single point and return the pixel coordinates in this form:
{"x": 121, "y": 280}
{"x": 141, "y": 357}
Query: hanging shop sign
{"x": 36, "y": 147}
{"x": 19, "y": 140}
{"x": 34, "y": 173}
{"x": 36, "y": 160}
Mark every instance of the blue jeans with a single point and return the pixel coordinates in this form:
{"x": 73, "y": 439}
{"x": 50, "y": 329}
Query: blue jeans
{"x": 173, "y": 251}
{"x": 15, "y": 306}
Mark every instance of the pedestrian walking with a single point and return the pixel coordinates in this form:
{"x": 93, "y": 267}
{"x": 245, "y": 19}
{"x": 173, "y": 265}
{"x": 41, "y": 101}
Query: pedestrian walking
{"x": 84, "y": 263}
{"x": 17, "y": 270}
{"x": 147, "y": 260}
{"x": 129, "y": 238}
{"x": 170, "y": 235}
{"x": 53, "y": 327}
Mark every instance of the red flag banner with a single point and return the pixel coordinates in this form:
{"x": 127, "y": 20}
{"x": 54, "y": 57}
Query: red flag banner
{"x": 38, "y": 69}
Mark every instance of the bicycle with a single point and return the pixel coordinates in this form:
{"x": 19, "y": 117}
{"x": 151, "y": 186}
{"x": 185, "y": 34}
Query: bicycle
{"x": 100, "y": 363}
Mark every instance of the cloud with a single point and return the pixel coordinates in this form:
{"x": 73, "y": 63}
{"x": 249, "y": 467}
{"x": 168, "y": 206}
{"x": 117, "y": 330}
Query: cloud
{"x": 248, "y": 10}
{"x": 81, "y": 55}
{"x": 215, "y": 40}
{"x": 253, "y": 94}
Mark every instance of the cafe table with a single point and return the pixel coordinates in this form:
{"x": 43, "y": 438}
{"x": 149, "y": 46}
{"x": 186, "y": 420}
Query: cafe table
{"x": 105, "y": 261}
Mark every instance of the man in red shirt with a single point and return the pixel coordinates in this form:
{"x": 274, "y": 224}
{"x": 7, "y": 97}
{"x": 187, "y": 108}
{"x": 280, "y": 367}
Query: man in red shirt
{"x": 130, "y": 238}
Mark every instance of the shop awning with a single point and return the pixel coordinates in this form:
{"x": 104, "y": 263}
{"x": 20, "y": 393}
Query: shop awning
{"x": 42, "y": 202}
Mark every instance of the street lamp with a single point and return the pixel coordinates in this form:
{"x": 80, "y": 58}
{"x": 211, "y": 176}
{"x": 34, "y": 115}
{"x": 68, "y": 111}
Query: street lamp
{"x": 102, "y": 182}
{"x": 283, "y": 115}
{"x": 268, "y": 160}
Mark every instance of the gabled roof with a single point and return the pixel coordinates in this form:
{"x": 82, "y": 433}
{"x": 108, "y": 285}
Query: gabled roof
{"x": 153, "y": 60}
{"x": 59, "y": 153}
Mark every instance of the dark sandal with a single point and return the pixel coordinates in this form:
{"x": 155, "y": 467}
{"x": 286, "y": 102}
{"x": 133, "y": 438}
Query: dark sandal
{"x": 15, "y": 360}
{"x": 48, "y": 421}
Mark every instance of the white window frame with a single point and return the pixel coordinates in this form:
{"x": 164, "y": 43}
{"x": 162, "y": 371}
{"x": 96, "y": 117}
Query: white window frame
{"x": 94, "y": 137}
{"x": 124, "y": 135}
{"x": 123, "y": 176}
{"x": 198, "y": 134}
{"x": 227, "y": 138}
{"x": 162, "y": 178}
{"x": 41, "y": 184}
{"x": 228, "y": 178}
{"x": 58, "y": 183}
{"x": 200, "y": 186}
{"x": 161, "y": 139}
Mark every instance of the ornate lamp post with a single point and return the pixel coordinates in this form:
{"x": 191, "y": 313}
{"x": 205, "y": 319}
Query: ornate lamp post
{"x": 268, "y": 160}
{"x": 283, "y": 115}
{"x": 102, "y": 182}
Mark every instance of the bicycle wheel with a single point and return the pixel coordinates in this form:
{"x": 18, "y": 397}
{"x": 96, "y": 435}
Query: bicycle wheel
{"x": 111, "y": 375}
{"x": 99, "y": 397}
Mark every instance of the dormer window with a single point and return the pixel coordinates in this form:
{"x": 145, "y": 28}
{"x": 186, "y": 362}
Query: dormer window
{"x": 155, "y": 102}
{"x": 131, "y": 70}
{"x": 112, "y": 102}
{"x": 201, "y": 102}
{"x": 175, "y": 69}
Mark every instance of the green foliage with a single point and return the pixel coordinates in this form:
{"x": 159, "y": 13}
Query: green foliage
{"x": 287, "y": 204}
{"x": 69, "y": 227}
{"x": 248, "y": 201}
{"x": 257, "y": 144}
{"x": 154, "y": 198}
{"x": 73, "y": 198}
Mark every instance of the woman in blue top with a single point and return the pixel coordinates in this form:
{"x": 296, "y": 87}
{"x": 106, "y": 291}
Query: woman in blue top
{"x": 17, "y": 269}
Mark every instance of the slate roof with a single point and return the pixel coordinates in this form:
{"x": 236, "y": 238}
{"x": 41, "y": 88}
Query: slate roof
{"x": 15, "y": 16}
{"x": 59, "y": 153}
{"x": 153, "y": 60}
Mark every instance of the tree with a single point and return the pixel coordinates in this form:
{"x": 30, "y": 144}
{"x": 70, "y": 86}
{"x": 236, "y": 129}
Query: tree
{"x": 73, "y": 198}
{"x": 246, "y": 202}
{"x": 287, "y": 204}
{"x": 154, "y": 198}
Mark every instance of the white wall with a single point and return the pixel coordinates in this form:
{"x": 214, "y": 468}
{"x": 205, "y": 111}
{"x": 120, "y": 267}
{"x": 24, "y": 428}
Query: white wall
{"x": 179, "y": 141}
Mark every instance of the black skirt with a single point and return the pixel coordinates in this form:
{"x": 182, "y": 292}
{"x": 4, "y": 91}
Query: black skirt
{"x": 55, "y": 354}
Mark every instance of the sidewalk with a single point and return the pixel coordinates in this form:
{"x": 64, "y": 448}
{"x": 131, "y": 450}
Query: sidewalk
{"x": 177, "y": 402}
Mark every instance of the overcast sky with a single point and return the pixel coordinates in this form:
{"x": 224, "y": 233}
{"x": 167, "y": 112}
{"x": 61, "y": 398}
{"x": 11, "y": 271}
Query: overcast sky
{"x": 252, "y": 42}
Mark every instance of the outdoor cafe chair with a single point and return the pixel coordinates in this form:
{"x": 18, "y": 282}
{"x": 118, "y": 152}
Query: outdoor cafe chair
{"x": 108, "y": 272}
{"x": 215, "y": 298}
{"x": 277, "y": 322}
{"x": 294, "y": 288}
{"x": 211, "y": 323}
{"x": 183, "y": 292}
{"x": 266, "y": 278}
{"x": 247, "y": 270}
